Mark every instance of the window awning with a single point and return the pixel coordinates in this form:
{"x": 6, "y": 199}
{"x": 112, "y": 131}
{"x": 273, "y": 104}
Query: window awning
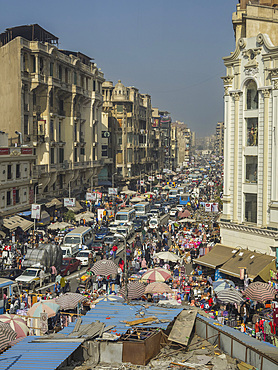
{"x": 14, "y": 222}
{"x": 219, "y": 255}
{"x": 256, "y": 264}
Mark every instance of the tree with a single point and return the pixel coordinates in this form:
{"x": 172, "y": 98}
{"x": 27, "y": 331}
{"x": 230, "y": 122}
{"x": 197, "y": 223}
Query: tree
{"x": 69, "y": 216}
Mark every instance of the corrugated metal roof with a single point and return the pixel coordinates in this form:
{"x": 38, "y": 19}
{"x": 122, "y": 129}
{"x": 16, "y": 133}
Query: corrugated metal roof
{"x": 112, "y": 313}
{"x": 44, "y": 356}
{"x": 261, "y": 346}
{"x": 49, "y": 355}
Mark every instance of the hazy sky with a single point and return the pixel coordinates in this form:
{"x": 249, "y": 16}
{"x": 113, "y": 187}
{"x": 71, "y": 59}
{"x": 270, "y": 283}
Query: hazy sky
{"x": 170, "y": 49}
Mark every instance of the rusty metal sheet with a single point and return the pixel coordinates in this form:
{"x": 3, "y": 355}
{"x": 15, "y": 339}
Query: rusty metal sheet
{"x": 183, "y": 326}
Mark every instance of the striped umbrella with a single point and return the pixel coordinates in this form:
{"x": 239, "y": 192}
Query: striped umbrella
{"x": 135, "y": 290}
{"x": 16, "y": 323}
{"x": 230, "y": 295}
{"x": 260, "y": 292}
{"x": 156, "y": 274}
{"x": 105, "y": 268}
{"x": 109, "y": 298}
{"x": 69, "y": 301}
{"x": 47, "y": 306}
{"x": 222, "y": 284}
{"x": 7, "y": 334}
{"x": 158, "y": 288}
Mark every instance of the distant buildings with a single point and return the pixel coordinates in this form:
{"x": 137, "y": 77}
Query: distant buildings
{"x": 250, "y": 200}
{"x": 181, "y": 144}
{"x": 219, "y": 138}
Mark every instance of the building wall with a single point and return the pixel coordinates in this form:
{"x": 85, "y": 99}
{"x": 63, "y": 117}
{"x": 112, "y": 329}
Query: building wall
{"x": 55, "y": 101}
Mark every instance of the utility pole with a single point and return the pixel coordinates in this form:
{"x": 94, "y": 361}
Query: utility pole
{"x": 113, "y": 195}
{"x": 36, "y": 187}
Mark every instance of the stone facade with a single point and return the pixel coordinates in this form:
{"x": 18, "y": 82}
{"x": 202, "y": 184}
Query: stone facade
{"x": 53, "y": 98}
{"x": 250, "y": 200}
{"x": 128, "y": 113}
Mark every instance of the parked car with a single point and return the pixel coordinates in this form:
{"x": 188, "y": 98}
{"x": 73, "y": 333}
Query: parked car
{"x": 101, "y": 233}
{"x": 69, "y": 265}
{"x": 11, "y": 274}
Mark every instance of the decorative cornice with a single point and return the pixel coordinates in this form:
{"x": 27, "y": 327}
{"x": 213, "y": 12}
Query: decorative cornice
{"x": 251, "y": 55}
{"x": 249, "y": 229}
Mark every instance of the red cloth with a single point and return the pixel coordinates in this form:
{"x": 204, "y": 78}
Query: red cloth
{"x": 114, "y": 248}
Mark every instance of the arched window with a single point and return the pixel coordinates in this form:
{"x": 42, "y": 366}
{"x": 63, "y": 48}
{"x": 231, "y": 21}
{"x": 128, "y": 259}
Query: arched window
{"x": 251, "y": 95}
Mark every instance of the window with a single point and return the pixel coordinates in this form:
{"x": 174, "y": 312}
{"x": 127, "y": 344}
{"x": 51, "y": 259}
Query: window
{"x": 9, "y": 172}
{"x": 61, "y": 155}
{"x": 74, "y": 78}
{"x": 252, "y": 131}
{"x": 51, "y": 129}
{"x": 34, "y": 98}
{"x": 60, "y": 131}
{"x": 120, "y": 140}
{"x": 17, "y": 175}
{"x": 120, "y": 108}
{"x": 82, "y": 151}
{"x": 52, "y": 155}
{"x": 75, "y": 132}
{"x": 26, "y": 125}
{"x": 66, "y": 75}
{"x": 9, "y": 201}
{"x": 104, "y": 150}
{"x": 251, "y": 95}
{"x": 17, "y": 198}
{"x": 94, "y": 85}
{"x": 41, "y": 66}
{"x": 51, "y": 69}
{"x": 33, "y": 62}
{"x": 60, "y": 72}
{"x": 251, "y": 169}
{"x": 51, "y": 98}
{"x": 75, "y": 155}
{"x": 251, "y": 208}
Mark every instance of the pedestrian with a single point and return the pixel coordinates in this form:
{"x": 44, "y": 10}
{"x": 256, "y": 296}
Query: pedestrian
{"x": 42, "y": 275}
{"x": 114, "y": 250}
{"x": 63, "y": 284}
{"x": 53, "y": 273}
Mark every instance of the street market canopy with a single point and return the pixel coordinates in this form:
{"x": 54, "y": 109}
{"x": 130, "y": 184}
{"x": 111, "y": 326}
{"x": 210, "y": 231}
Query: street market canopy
{"x": 87, "y": 216}
{"x": 77, "y": 207}
{"x": 54, "y": 202}
{"x": 12, "y": 223}
{"x": 218, "y": 255}
{"x": 255, "y": 264}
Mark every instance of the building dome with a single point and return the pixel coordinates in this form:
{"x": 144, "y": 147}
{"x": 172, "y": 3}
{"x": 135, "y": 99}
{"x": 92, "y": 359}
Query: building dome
{"x": 120, "y": 91}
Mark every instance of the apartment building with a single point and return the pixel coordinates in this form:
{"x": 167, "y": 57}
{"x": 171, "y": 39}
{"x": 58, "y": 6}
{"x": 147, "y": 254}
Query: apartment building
{"x": 250, "y": 199}
{"x": 52, "y": 98}
{"x": 162, "y": 120}
{"x": 127, "y": 115}
{"x": 219, "y": 140}
{"x": 181, "y": 139}
{"x": 16, "y": 188}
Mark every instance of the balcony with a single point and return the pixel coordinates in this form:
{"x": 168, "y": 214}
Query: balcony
{"x": 39, "y": 170}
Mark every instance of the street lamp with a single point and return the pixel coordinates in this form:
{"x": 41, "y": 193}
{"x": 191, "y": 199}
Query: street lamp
{"x": 36, "y": 187}
{"x": 113, "y": 195}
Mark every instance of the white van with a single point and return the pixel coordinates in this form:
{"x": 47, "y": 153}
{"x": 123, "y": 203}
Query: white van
{"x": 75, "y": 239}
{"x": 125, "y": 215}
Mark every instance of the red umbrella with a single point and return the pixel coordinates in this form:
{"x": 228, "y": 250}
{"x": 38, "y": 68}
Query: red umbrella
{"x": 156, "y": 274}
